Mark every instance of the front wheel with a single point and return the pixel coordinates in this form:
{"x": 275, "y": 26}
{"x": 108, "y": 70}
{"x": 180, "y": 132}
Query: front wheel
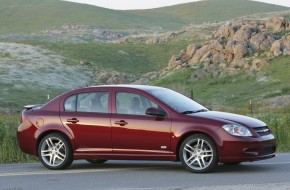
{"x": 55, "y": 152}
{"x": 198, "y": 153}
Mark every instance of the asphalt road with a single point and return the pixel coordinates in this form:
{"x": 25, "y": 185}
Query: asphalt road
{"x": 148, "y": 175}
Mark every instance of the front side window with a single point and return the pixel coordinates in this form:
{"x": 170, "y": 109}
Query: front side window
{"x": 133, "y": 104}
{"x": 177, "y": 101}
{"x": 94, "y": 102}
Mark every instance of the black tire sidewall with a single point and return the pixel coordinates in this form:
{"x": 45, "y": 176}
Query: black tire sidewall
{"x": 215, "y": 153}
{"x": 69, "y": 155}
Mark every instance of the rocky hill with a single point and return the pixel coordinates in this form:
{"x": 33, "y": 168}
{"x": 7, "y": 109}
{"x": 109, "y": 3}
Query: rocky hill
{"x": 236, "y": 46}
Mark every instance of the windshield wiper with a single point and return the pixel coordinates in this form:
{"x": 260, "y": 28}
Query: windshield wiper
{"x": 189, "y": 112}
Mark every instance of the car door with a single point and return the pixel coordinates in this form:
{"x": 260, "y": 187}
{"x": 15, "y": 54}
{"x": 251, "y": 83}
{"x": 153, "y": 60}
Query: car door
{"x": 134, "y": 132}
{"x": 87, "y": 115}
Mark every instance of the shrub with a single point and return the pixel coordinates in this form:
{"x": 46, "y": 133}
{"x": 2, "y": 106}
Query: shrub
{"x": 9, "y": 151}
{"x": 279, "y": 125}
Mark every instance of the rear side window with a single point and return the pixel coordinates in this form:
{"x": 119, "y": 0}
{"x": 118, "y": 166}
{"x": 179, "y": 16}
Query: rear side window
{"x": 93, "y": 102}
{"x": 70, "y": 104}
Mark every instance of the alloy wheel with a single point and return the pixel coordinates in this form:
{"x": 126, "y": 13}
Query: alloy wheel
{"x": 198, "y": 153}
{"x": 54, "y": 152}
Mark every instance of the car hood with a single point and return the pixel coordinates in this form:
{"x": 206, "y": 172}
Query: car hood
{"x": 230, "y": 118}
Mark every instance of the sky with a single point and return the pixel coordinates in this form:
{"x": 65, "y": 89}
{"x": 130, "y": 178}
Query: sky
{"x": 148, "y": 4}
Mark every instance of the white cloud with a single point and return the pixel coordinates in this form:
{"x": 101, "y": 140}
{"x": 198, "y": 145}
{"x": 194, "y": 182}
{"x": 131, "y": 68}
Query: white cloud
{"x": 131, "y": 4}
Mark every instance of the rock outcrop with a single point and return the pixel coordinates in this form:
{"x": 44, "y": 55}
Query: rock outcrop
{"x": 235, "y": 46}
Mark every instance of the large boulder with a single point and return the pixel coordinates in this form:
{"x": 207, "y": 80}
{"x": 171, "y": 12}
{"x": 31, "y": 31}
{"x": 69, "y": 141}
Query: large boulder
{"x": 205, "y": 57}
{"x": 245, "y": 33}
{"x": 239, "y": 63}
{"x": 240, "y": 50}
{"x": 200, "y": 52}
{"x": 191, "y": 49}
{"x": 229, "y": 48}
{"x": 276, "y": 23}
{"x": 226, "y": 31}
{"x": 216, "y": 46}
{"x": 276, "y": 48}
{"x": 174, "y": 61}
{"x": 280, "y": 47}
{"x": 218, "y": 57}
{"x": 261, "y": 41}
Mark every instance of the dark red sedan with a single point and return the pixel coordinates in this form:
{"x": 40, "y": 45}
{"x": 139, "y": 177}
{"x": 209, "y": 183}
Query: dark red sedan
{"x": 131, "y": 122}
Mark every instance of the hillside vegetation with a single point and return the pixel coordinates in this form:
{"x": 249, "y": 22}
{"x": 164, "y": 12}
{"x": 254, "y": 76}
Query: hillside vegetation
{"x": 209, "y": 10}
{"x": 29, "y": 16}
{"x": 234, "y": 92}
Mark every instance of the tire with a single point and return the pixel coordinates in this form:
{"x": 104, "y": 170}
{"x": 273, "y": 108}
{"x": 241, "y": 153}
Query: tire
{"x": 93, "y": 161}
{"x": 55, "y": 152}
{"x": 198, "y": 153}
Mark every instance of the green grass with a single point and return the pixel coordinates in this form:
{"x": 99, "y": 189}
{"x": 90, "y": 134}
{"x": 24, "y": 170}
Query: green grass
{"x": 279, "y": 125}
{"x": 135, "y": 59}
{"x": 28, "y": 95}
{"x": 9, "y": 151}
{"x": 24, "y": 17}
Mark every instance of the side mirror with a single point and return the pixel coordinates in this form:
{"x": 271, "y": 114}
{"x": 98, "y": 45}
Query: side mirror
{"x": 155, "y": 112}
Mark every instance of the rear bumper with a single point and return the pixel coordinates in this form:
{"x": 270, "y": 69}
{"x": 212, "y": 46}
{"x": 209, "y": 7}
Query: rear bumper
{"x": 26, "y": 138}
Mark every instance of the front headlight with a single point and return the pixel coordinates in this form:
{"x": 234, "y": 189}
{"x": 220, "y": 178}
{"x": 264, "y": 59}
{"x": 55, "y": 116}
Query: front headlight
{"x": 237, "y": 130}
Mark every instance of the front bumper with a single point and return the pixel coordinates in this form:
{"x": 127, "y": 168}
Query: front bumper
{"x": 246, "y": 149}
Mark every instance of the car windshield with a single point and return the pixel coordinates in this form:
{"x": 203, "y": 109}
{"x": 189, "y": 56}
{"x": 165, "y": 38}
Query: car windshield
{"x": 177, "y": 102}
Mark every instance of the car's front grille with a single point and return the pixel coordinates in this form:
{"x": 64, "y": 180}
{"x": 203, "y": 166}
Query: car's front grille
{"x": 262, "y": 131}
{"x": 268, "y": 150}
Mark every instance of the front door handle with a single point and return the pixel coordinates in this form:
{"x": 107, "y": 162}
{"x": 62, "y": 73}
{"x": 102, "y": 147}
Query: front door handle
{"x": 73, "y": 120}
{"x": 121, "y": 123}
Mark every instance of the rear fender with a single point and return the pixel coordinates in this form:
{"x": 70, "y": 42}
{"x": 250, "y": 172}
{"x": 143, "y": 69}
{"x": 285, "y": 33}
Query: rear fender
{"x": 52, "y": 128}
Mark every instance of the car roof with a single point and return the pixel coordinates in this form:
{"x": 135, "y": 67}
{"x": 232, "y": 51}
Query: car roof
{"x": 131, "y": 86}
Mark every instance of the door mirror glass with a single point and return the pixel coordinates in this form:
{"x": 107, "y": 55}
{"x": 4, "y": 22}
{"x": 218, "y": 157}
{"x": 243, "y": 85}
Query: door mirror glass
{"x": 155, "y": 112}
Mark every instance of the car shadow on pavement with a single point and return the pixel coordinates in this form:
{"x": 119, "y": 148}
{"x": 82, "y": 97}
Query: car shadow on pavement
{"x": 242, "y": 168}
{"x": 126, "y": 165}
{"x": 169, "y": 166}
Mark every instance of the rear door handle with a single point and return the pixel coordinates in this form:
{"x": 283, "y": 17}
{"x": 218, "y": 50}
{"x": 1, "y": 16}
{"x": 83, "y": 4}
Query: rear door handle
{"x": 73, "y": 120}
{"x": 121, "y": 123}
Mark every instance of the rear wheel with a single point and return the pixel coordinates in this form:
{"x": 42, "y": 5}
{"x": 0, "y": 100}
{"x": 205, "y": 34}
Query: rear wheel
{"x": 93, "y": 161}
{"x": 198, "y": 153}
{"x": 55, "y": 152}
